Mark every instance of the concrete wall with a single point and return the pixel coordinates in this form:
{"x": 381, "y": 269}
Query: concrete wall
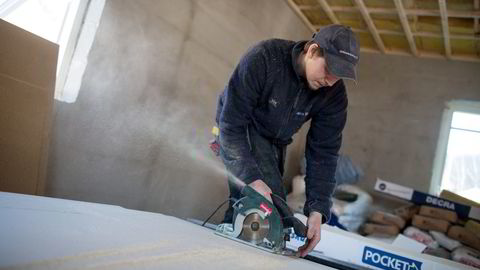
{"x": 395, "y": 113}
{"x": 138, "y": 134}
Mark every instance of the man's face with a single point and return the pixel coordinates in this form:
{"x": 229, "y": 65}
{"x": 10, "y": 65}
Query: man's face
{"x": 316, "y": 71}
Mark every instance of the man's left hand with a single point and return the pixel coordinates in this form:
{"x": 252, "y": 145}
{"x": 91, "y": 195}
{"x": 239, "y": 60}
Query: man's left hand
{"x": 314, "y": 224}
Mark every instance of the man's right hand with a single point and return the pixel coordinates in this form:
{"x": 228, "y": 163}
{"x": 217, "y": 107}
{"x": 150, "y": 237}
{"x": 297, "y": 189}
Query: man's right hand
{"x": 262, "y": 188}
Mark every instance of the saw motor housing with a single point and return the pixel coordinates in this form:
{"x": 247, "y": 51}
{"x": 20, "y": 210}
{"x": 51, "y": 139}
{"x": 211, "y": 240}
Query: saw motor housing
{"x": 259, "y": 222}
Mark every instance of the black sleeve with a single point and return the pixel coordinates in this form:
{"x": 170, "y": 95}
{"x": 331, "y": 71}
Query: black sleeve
{"x": 323, "y": 143}
{"x": 238, "y": 102}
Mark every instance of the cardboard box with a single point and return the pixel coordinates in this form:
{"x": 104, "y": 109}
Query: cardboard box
{"x": 417, "y": 197}
{"x": 27, "y": 83}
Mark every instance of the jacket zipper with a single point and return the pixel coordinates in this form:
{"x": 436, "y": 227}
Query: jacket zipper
{"x": 292, "y": 109}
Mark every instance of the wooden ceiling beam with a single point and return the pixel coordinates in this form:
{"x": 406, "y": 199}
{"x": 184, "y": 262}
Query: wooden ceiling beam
{"x": 435, "y": 35}
{"x": 413, "y": 12}
{"x": 416, "y": 34}
{"x": 371, "y": 26}
{"x": 406, "y": 27}
{"x": 326, "y": 7}
{"x": 422, "y": 54}
{"x": 476, "y": 24}
{"x": 446, "y": 32}
{"x": 409, "y": 33}
{"x": 302, "y": 16}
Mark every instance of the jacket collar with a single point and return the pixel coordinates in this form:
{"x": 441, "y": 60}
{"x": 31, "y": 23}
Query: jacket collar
{"x": 296, "y": 52}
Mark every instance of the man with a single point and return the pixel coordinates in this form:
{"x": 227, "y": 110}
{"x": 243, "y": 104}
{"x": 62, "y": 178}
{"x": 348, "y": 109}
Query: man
{"x": 277, "y": 86}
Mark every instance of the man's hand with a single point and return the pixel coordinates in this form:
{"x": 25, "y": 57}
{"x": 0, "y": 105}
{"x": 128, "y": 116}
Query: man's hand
{"x": 314, "y": 224}
{"x": 262, "y": 188}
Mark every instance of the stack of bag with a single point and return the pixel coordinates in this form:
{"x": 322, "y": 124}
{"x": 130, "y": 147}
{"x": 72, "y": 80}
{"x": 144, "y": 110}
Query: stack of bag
{"x": 381, "y": 223}
{"x": 444, "y": 234}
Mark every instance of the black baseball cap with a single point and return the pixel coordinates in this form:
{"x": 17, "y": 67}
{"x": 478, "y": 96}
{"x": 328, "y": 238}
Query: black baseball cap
{"x": 340, "y": 48}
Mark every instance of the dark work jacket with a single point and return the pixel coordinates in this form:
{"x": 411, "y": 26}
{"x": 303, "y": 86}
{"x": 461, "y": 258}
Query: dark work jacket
{"x": 268, "y": 92}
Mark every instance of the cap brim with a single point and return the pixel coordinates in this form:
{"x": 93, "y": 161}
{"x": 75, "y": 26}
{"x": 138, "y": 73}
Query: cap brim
{"x": 340, "y": 68}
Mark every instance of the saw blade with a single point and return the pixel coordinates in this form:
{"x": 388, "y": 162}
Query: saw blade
{"x": 255, "y": 228}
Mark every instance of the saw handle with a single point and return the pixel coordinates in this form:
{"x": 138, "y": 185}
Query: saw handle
{"x": 289, "y": 220}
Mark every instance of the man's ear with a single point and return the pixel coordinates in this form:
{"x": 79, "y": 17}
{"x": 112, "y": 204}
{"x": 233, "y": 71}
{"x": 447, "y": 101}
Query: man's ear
{"x": 311, "y": 50}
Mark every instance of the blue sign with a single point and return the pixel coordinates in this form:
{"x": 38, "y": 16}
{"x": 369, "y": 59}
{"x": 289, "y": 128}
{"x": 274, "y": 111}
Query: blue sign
{"x": 389, "y": 261}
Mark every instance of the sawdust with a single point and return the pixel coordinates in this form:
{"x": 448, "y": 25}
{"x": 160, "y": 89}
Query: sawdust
{"x": 55, "y": 263}
{"x": 155, "y": 256}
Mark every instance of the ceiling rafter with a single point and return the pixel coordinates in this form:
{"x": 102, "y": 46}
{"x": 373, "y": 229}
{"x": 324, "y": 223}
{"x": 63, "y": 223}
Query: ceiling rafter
{"x": 302, "y": 16}
{"x": 326, "y": 7}
{"x": 424, "y": 54}
{"x": 446, "y": 32}
{"x": 476, "y": 24}
{"x": 431, "y": 38}
{"x": 371, "y": 26}
{"x": 417, "y": 34}
{"x": 406, "y": 26}
{"x": 413, "y": 12}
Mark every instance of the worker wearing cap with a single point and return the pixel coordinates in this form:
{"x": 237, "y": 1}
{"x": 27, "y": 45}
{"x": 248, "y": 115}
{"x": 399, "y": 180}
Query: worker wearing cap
{"x": 277, "y": 86}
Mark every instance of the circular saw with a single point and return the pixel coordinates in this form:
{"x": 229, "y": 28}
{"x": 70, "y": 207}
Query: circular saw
{"x": 261, "y": 223}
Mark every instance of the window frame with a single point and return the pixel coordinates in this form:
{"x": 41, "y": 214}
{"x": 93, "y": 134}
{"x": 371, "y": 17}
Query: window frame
{"x": 64, "y": 67}
{"x": 466, "y": 106}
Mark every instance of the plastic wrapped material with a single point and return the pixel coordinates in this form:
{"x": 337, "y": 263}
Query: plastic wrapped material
{"x": 351, "y": 222}
{"x": 350, "y": 214}
{"x": 437, "y": 252}
{"x": 346, "y": 173}
{"x": 466, "y": 256}
{"x": 359, "y": 207}
{"x": 421, "y": 236}
{"x": 445, "y": 241}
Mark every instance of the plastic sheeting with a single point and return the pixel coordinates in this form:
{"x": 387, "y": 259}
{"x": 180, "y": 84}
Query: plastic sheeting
{"x": 346, "y": 173}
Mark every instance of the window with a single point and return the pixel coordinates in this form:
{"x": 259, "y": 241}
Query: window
{"x": 457, "y": 161}
{"x": 61, "y": 22}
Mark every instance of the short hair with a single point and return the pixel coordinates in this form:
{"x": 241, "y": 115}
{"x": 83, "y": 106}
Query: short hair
{"x": 317, "y": 51}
